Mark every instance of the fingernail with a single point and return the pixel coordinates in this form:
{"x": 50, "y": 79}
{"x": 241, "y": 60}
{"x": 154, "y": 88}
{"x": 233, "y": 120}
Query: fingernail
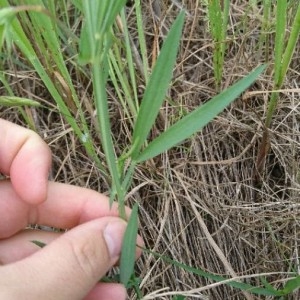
{"x": 113, "y": 235}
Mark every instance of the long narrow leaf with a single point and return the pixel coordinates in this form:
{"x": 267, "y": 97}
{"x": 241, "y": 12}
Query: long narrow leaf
{"x": 291, "y": 45}
{"x": 198, "y": 118}
{"x": 217, "y": 278}
{"x": 17, "y": 101}
{"x": 128, "y": 249}
{"x": 157, "y": 86}
{"x": 280, "y": 35}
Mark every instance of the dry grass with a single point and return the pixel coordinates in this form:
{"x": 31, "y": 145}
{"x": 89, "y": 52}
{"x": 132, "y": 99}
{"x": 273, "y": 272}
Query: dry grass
{"x": 198, "y": 202}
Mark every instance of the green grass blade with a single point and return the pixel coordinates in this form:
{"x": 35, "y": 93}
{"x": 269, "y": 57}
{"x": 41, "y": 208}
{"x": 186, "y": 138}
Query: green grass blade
{"x": 130, "y": 63}
{"x": 121, "y": 83}
{"x": 99, "y": 83}
{"x": 265, "y": 27}
{"x": 157, "y": 86}
{"x": 198, "y": 118}
{"x": 127, "y": 259}
{"x": 218, "y": 15}
{"x": 38, "y": 243}
{"x": 6, "y": 16}
{"x": 17, "y": 101}
{"x": 217, "y": 278}
{"x": 292, "y": 285}
{"x": 281, "y": 12}
{"x": 282, "y": 59}
{"x": 142, "y": 40}
{"x": 291, "y": 45}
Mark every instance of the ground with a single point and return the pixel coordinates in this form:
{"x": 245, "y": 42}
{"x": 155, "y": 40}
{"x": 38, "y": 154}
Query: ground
{"x": 200, "y": 203}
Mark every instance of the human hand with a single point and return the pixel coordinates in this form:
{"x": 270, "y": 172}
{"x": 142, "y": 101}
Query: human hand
{"x": 72, "y": 263}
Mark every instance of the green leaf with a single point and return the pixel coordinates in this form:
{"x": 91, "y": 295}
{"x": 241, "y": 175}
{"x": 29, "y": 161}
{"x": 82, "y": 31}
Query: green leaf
{"x": 268, "y": 286}
{"x": 178, "y": 297}
{"x": 2, "y": 35}
{"x": 281, "y": 15}
{"x": 217, "y": 278}
{"x": 17, "y": 101}
{"x": 85, "y": 54}
{"x": 292, "y": 285}
{"x": 157, "y": 87}
{"x": 38, "y": 243}
{"x": 6, "y": 14}
{"x": 195, "y": 120}
{"x": 99, "y": 17}
{"x": 127, "y": 259}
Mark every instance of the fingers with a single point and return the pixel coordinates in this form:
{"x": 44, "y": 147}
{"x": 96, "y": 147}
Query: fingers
{"x": 26, "y": 159}
{"x": 21, "y": 246}
{"x": 66, "y": 206}
{"x": 70, "y": 266}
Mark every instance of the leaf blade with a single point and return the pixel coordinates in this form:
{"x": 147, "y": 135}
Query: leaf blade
{"x": 157, "y": 86}
{"x": 18, "y": 101}
{"x": 127, "y": 259}
{"x": 191, "y": 124}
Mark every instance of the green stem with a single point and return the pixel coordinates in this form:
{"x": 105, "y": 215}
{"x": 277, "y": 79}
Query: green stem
{"x": 99, "y": 77}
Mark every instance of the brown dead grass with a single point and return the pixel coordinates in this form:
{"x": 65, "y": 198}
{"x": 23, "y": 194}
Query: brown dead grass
{"x": 198, "y": 203}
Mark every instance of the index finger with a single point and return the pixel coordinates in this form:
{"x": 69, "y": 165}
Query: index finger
{"x": 26, "y": 159}
{"x": 66, "y": 207}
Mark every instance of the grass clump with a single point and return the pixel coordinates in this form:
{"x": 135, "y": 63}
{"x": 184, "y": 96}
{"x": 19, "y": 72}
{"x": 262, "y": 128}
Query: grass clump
{"x": 102, "y": 85}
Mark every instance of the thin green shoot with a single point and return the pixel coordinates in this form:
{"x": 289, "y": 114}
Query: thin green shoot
{"x": 130, "y": 63}
{"x": 142, "y": 40}
{"x": 218, "y": 14}
{"x": 283, "y": 55}
{"x": 264, "y": 40}
{"x": 283, "y": 52}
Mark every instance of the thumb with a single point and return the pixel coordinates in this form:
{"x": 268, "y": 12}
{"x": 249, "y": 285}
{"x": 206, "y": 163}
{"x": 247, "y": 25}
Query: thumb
{"x": 70, "y": 266}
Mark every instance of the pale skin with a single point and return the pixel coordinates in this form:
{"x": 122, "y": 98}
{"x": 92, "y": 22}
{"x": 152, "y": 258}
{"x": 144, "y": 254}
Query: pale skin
{"x": 72, "y": 263}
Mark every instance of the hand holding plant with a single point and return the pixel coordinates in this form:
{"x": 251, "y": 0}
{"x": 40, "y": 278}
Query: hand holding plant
{"x": 70, "y": 266}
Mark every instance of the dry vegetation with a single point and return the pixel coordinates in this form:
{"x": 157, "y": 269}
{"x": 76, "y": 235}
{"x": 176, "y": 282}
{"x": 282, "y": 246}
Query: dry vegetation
{"x": 198, "y": 202}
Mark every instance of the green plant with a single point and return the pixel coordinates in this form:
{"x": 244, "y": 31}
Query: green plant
{"x": 97, "y": 55}
{"x": 265, "y": 288}
{"x": 264, "y": 38}
{"x": 218, "y": 13}
{"x": 284, "y": 50}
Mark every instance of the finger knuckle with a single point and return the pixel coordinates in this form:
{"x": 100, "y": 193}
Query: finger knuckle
{"x": 85, "y": 256}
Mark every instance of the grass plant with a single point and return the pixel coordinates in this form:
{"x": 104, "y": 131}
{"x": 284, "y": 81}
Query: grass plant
{"x": 285, "y": 45}
{"x": 148, "y": 145}
{"x": 218, "y": 14}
